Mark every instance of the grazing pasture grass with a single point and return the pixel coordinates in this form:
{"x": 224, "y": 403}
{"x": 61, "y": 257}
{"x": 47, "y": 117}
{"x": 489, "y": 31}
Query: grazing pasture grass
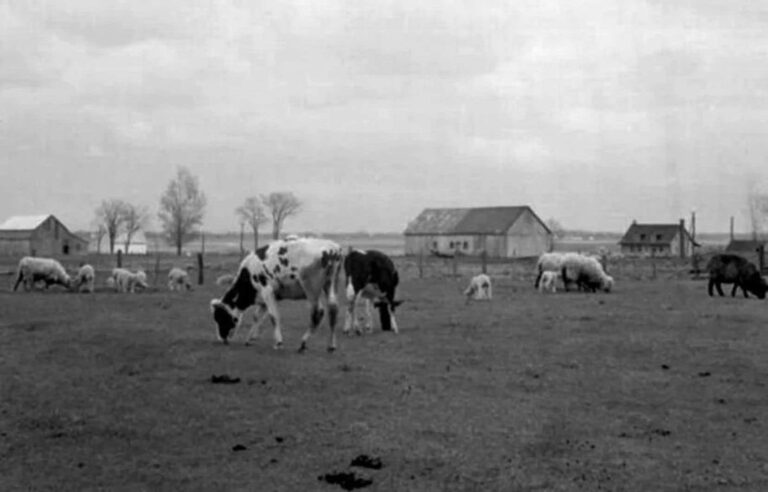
{"x": 652, "y": 387}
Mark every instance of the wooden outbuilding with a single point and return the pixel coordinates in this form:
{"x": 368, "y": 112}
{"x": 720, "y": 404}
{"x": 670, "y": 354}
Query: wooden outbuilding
{"x": 39, "y": 235}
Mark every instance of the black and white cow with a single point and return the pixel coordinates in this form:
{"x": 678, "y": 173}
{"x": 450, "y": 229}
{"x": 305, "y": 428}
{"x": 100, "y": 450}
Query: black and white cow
{"x": 303, "y": 268}
{"x": 372, "y": 276}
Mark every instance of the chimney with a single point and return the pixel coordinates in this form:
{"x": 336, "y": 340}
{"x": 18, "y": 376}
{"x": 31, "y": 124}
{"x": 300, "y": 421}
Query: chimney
{"x": 683, "y": 241}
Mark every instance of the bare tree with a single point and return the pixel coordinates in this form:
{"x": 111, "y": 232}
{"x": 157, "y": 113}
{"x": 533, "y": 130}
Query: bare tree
{"x": 555, "y": 226}
{"x": 182, "y": 207}
{"x": 281, "y": 205}
{"x": 135, "y": 218}
{"x": 252, "y": 213}
{"x": 110, "y": 215}
{"x": 757, "y": 206}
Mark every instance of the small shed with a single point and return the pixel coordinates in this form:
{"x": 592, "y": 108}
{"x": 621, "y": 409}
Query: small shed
{"x": 502, "y": 232}
{"x": 751, "y": 249}
{"x": 657, "y": 240}
{"x": 39, "y": 235}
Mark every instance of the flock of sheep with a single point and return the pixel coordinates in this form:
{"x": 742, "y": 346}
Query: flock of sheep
{"x": 33, "y": 270}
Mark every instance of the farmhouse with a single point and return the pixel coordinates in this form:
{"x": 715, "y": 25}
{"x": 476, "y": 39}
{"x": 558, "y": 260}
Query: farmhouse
{"x": 39, "y": 235}
{"x": 752, "y": 250}
{"x": 657, "y": 240}
{"x": 502, "y": 232}
{"x": 137, "y": 246}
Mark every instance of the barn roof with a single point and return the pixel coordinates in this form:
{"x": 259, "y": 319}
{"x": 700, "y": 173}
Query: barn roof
{"x": 480, "y": 220}
{"x": 23, "y": 222}
{"x": 744, "y": 245}
{"x": 655, "y": 234}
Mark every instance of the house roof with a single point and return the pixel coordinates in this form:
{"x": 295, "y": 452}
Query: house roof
{"x": 655, "y": 234}
{"x": 23, "y": 222}
{"x": 480, "y": 220}
{"x": 744, "y": 245}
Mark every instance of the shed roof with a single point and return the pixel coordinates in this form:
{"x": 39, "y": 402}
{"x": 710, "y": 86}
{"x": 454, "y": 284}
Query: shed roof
{"x": 23, "y": 222}
{"x": 744, "y": 245}
{"x": 479, "y": 220}
{"x": 656, "y": 234}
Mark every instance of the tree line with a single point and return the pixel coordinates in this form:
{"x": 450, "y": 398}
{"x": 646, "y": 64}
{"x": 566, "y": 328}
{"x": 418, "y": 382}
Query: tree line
{"x": 181, "y": 212}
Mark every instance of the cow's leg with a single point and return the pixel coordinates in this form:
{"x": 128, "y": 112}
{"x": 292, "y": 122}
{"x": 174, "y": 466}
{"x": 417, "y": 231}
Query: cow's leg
{"x": 710, "y": 286}
{"x": 719, "y": 289}
{"x": 333, "y": 314}
{"x": 271, "y": 304}
{"x": 351, "y": 321}
{"x": 734, "y": 289}
{"x": 316, "y": 313}
{"x": 259, "y": 315}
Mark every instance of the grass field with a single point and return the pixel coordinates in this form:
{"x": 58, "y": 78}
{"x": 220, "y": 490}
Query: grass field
{"x": 652, "y": 387}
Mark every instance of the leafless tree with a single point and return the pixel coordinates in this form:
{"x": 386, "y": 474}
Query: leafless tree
{"x": 135, "y": 218}
{"x": 101, "y": 231}
{"x": 281, "y": 205}
{"x": 555, "y": 226}
{"x": 182, "y": 208}
{"x": 110, "y": 215}
{"x": 757, "y": 206}
{"x": 252, "y": 213}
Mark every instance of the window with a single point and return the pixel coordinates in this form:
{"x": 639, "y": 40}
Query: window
{"x": 658, "y": 237}
{"x": 450, "y": 245}
{"x": 642, "y": 237}
{"x": 466, "y": 245}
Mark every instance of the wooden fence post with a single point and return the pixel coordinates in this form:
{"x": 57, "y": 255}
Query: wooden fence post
{"x": 455, "y": 263}
{"x": 421, "y": 263}
{"x": 157, "y": 268}
{"x": 484, "y": 260}
{"x": 653, "y": 264}
{"x": 119, "y": 258}
{"x": 199, "y": 268}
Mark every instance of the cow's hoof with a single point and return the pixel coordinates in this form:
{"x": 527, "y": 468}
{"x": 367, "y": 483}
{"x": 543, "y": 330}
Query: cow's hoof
{"x": 278, "y": 346}
{"x": 331, "y": 350}
{"x": 302, "y": 348}
{"x": 225, "y": 341}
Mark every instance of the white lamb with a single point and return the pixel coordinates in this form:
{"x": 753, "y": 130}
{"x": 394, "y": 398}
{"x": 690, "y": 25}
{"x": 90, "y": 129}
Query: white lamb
{"x": 127, "y": 281}
{"x": 479, "y": 288}
{"x": 586, "y": 271}
{"x": 178, "y": 279}
{"x": 48, "y": 270}
{"x": 548, "y": 282}
{"x": 548, "y": 262}
{"x": 85, "y": 279}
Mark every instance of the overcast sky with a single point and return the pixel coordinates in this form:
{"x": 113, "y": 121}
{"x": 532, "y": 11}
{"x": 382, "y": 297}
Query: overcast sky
{"x": 593, "y": 112}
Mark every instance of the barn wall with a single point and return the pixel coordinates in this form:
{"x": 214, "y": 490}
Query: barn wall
{"x": 14, "y": 247}
{"x": 51, "y": 239}
{"x": 527, "y": 237}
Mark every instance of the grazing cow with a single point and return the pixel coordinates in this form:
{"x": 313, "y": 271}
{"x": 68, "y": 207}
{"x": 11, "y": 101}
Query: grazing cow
{"x": 48, "y": 270}
{"x": 85, "y": 279}
{"x": 127, "y": 281}
{"x": 733, "y": 269}
{"x": 303, "y": 268}
{"x": 372, "y": 276}
{"x": 178, "y": 279}
{"x": 479, "y": 288}
{"x": 548, "y": 282}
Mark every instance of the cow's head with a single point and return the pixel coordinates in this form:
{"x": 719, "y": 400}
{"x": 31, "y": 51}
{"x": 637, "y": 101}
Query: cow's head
{"x": 226, "y": 319}
{"x": 758, "y": 286}
{"x": 228, "y": 310}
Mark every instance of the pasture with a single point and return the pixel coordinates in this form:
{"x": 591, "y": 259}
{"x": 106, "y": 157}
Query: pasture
{"x": 652, "y": 387}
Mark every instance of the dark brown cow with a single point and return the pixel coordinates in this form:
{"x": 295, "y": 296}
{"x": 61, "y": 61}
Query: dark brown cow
{"x": 733, "y": 269}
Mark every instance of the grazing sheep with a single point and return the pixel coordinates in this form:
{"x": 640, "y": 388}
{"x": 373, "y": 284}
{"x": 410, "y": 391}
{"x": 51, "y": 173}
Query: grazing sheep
{"x": 85, "y": 279}
{"x": 479, "y": 288}
{"x": 178, "y": 279}
{"x": 48, "y": 270}
{"x": 548, "y": 282}
{"x": 127, "y": 281}
{"x": 733, "y": 269}
{"x": 586, "y": 271}
{"x": 548, "y": 262}
{"x": 225, "y": 280}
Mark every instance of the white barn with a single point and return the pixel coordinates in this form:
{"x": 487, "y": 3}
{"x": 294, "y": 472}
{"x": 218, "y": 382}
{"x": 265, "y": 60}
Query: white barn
{"x": 138, "y": 244}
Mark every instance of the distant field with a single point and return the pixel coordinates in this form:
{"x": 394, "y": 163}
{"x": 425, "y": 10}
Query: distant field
{"x": 652, "y": 387}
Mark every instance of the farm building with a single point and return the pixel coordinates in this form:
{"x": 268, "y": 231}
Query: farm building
{"x": 39, "y": 235}
{"x": 657, "y": 240}
{"x": 503, "y": 232}
{"x": 137, "y": 246}
{"x": 752, "y": 250}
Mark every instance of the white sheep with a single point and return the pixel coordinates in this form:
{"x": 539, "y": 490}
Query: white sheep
{"x": 85, "y": 279}
{"x": 178, "y": 279}
{"x": 127, "y": 281}
{"x": 586, "y": 271}
{"x": 48, "y": 270}
{"x": 479, "y": 288}
{"x": 548, "y": 262}
{"x": 225, "y": 280}
{"x": 548, "y": 282}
